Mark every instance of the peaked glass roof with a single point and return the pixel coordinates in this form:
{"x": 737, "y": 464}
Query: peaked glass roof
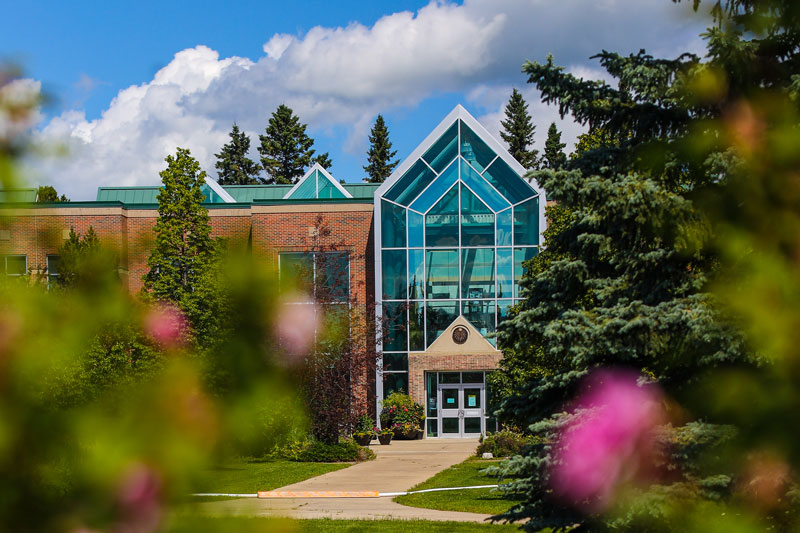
{"x": 317, "y": 183}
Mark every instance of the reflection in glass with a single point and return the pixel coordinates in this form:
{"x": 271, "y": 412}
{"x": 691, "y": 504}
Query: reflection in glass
{"x": 416, "y": 325}
{"x": 416, "y": 230}
{"x": 505, "y": 273}
{"x": 394, "y": 326}
{"x": 450, "y": 425}
{"x": 505, "y": 180}
{"x": 477, "y": 221}
{"x": 474, "y": 150}
{"x": 526, "y": 223}
{"x": 504, "y": 228}
{"x": 393, "y": 362}
{"x": 395, "y": 382}
{"x": 475, "y": 182}
{"x": 472, "y": 424}
{"x": 441, "y": 274}
{"x": 430, "y": 195}
{"x": 439, "y": 315}
{"x": 411, "y": 183}
{"x": 520, "y": 256}
{"x": 394, "y": 274}
{"x": 416, "y": 274}
{"x": 441, "y": 222}
{"x": 393, "y": 225}
{"x": 481, "y": 315}
{"x": 444, "y": 149}
{"x": 477, "y": 273}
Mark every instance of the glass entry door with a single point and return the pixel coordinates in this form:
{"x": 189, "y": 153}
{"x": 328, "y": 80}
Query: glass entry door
{"x": 461, "y": 412}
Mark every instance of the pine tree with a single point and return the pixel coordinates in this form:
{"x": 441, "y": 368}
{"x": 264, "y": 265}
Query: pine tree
{"x": 286, "y": 151}
{"x": 554, "y": 156}
{"x": 518, "y": 131}
{"x": 183, "y": 250}
{"x": 48, "y": 194}
{"x": 379, "y": 164}
{"x": 233, "y": 166}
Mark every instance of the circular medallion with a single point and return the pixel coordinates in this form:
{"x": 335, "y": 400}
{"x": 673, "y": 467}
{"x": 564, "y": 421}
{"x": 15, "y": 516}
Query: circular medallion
{"x": 460, "y": 334}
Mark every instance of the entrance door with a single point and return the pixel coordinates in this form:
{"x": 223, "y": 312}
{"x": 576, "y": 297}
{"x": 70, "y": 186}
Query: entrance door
{"x": 461, "y": 413}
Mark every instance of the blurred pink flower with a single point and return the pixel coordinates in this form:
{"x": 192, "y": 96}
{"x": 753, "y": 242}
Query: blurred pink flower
{"x": 139, "y": 499}
{"x": 609, "y": 440}
{"x": 295, "y": 327}
{"x": 166, "y": 324}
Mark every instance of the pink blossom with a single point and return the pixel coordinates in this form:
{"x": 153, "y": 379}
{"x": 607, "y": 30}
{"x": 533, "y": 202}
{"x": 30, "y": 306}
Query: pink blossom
{"x": 609, "y": 440}
{"x": 166, "y": 324}
{"x": 139, "y": 499}
{"x": 295, "y": 327}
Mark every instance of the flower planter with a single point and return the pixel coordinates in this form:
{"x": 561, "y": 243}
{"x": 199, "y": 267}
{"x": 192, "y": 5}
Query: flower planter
{"x": 362, "y": 440}
{"x": 385, "y": 439}
{"x": 406, "y": 435}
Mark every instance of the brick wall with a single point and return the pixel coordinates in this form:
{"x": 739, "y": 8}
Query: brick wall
{"x": 419, "y": 363}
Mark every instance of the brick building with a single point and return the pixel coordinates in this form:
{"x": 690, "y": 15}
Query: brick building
{"x": 437, "y": 250}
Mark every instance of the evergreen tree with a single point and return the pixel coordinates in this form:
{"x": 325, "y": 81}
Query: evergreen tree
{"x": 286, "y": 151}
{"x": 518, "y": 131}
{"x": 48, "y": 194}
{"x": 183, "y": 251}
{"x": 626, "y": 277}
{"x": 554, "y": 156}
{"x": 379, "y": 164}
{"x": 233, "y": 166}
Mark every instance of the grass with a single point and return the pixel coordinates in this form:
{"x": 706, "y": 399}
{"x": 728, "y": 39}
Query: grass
{"x": 188, "y": 524}
{"x": 250, "y": 476}
{"x": 461, "y": 475}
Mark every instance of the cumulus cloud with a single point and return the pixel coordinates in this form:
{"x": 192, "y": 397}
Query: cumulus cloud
{"x": 343, "y": 76}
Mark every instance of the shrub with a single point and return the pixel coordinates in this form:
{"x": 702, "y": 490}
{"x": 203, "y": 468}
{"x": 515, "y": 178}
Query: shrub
{"x": 399, "y": 408}
{"x": 345, "y": 451}
{"x": 364, "y": 425}
{"x": 504, "y": 443}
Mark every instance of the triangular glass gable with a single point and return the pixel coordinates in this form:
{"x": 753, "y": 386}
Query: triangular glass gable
{"x": 316, "y": 184}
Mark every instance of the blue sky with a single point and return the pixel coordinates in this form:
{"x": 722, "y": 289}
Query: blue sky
{"x": 127, "y": 83}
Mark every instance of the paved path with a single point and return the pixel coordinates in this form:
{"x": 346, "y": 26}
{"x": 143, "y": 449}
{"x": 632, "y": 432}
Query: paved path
{"x": 398, "y": 467}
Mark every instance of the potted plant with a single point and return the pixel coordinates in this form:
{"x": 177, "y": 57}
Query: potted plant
{"x": 405, "y": 416}
{"x": 384, "y": 435}
{"x": 364, "y": 432}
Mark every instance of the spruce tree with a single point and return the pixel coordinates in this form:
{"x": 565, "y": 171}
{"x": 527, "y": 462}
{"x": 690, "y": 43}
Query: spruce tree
{"x": 379, "y": 165}
{"x": 554, "y": 156}
{"x": 626, "y": 280}
{"x": 183, "y": 251}
{"x": 233, "y": 166}
{"x": 518, "y": 131}
{"x": 286, "y": 151}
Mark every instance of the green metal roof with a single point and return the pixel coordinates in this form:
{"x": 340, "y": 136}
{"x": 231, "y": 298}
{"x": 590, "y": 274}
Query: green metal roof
{"x": 241, "y": 193}
{"x": 13, "y": 196}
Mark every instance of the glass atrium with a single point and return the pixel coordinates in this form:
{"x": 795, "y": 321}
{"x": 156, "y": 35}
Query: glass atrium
{"x": 454, "y": 230}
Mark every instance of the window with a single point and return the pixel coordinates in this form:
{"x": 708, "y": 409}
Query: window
{"x": 456, "y": 230}
{"x": 15, "y": 265}
{"x": 324, "y": 276}
{"x": 53, "y": 270}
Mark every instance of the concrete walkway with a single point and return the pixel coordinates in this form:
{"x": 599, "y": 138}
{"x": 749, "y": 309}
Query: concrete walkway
{"x": 398, "y": 467}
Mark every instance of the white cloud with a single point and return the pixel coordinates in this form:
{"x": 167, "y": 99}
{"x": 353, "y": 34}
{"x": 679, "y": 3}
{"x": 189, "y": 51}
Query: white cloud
{"x": 344, "y": 76}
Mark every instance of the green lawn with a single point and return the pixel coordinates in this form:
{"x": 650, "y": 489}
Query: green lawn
{"x": 250, "y": 476}
{"x": 461, "y": 475}
{"x": 187, "y": 524}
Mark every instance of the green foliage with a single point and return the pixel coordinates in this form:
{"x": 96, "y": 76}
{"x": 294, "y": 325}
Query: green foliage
{"x": 518, "y": 130}
{"x": 379, "y": 165}
{"x": 233, "y": 166}
{"x": 183, "y": 261}
{"x": 365, "y": 424}
{"x": 554, "y": 157}
{"x": 504, "y": 443}
{"x": 286, "y": 150}
{"x": 84, "y": 262}
{"x": 48, "y": 194}
{"x": 248, "y": 476}
{"x": 345, "y": 451}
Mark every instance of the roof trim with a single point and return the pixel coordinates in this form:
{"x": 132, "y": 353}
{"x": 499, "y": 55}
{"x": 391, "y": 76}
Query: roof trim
{"x": 217, "y": 188}
{"x": 317, "y": 166}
